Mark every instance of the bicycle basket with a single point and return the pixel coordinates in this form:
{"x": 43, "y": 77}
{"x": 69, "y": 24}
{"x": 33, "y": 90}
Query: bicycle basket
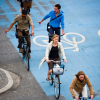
{"x": 58, "y": 70}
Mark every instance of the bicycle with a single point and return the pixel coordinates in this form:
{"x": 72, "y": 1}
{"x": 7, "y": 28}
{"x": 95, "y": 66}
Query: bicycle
{"x": 54, "y": 77}
{"x": 25, "y": 49}
{"x": 27, "y": 5}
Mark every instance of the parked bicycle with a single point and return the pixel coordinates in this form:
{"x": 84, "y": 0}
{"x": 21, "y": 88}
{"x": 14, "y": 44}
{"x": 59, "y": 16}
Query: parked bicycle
{"x": 55, "y": 76}
{"x": 25, "y": 49}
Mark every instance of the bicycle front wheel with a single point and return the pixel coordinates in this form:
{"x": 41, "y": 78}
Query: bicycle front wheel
{"x": 27, "y": 59}
{"x": 51, "y": 79}
{"x": 57, "y": 87}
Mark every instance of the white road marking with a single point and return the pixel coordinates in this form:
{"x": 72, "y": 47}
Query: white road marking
{"x": 72, "y": 43}
{"x": 10, "y": 81}
{"x": 99, "y": 32}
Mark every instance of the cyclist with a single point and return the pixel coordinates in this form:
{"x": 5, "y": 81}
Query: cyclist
{"x": 54, "y": 51}
{"x": 27, "y": 4}
{"x": 78, "y": 86}
{"x": 23, "y": 25}
{"x": 55, "y": 24}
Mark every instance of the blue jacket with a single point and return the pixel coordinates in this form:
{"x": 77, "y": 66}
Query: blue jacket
{"x": 55, "y": 23}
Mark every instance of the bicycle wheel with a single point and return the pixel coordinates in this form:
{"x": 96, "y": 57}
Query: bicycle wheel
{"x": 27, "y": 58}
{"x": 24, "y": 52}
{"x": 51, "y": 79}
{"x": 57, "y": 87}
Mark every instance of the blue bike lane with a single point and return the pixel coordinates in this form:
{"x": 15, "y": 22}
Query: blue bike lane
{"x": 81, "y": 42}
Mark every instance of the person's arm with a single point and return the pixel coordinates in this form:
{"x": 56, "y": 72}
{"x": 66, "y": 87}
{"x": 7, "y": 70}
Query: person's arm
{"x": 89, "y": 86}
{"x": 15, "y": 20}
{"x": 32, "y": 27}
{"x": 47, "y": 54}
{"x": 62, "y": 24}
{"x": 40, "y": 21}
{"x": 63, "y": 32}
{"x": 72, "y": 87}
{"x": 47, "y": 16}
{"x": 48, "y": 49}
{"x": 62, "y": 52}
{"x": 9, "y": 28}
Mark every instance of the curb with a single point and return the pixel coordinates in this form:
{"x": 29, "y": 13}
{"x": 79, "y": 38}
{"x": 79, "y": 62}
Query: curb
{"x": 10, "y": 81}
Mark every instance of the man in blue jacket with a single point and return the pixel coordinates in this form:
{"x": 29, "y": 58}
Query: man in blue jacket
{"x": 55, "y": 24}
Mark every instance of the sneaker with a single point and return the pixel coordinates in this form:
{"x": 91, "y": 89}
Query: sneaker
{"x": 20, "y": 50}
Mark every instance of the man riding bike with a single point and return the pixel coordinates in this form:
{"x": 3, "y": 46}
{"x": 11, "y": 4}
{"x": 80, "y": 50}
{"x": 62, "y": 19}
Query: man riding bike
{"x": 23, "y": 20}
{"x": 55, "y": 24}
{"x": 78, "y": 86}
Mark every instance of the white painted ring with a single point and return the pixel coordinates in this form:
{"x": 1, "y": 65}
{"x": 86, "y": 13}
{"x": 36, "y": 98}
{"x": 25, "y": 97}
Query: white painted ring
{"x": 83, "y": 38}
{"x": 99, "y": 32}
{"x": 34, "y": 40}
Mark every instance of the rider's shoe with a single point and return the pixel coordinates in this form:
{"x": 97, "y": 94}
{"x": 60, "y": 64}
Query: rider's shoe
{"x": 20, "y": 50}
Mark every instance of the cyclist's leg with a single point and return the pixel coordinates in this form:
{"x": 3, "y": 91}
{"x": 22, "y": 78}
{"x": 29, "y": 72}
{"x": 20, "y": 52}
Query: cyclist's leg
{"x": 50, "y": 68}
{"x": 84, "y": 92}
{"x": 30, "y": 3}
{"x": 28, "y": 40}
{"x": 57, "y": 31}
{"x": 19, "y": 38}
{"x": 76, "y": 93}
{"x": 51, "y": 32}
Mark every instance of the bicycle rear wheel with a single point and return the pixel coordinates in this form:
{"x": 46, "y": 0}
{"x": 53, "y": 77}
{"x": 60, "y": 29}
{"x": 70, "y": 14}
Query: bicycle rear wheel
{"x": 57, "y": 87}
{"x": 27, "y": 58}
{"x": 51, "y": 79}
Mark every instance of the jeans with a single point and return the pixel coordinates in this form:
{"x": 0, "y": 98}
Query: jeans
{"x": 51, "y": 32}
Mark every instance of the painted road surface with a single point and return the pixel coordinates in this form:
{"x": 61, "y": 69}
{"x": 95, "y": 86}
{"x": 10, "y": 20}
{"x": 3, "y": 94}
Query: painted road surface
{"x": 81, "y": 42}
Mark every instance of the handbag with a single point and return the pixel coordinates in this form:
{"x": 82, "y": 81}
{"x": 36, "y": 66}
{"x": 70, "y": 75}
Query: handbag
{"x": 58, "y": 70}
{"x": 48, "y": 26}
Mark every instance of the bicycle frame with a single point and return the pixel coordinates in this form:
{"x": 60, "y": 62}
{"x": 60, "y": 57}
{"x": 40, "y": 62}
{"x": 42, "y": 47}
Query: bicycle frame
{"x": 25, "y": 48}
{"x": 56, "y": 80}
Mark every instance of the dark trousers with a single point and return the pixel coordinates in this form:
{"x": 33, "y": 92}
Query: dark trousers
{"x": 51, "y": 32}
{"x": 21, "y": 4}
{"x": 50, "y": 64}
{"x": 19, "y": 32}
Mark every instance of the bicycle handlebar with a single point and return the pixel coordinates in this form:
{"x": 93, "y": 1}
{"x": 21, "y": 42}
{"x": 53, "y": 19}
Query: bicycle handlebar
{"x": 83, "y": 97}
{"x": 56, "y": 61}
{"x": 52, "y": 35}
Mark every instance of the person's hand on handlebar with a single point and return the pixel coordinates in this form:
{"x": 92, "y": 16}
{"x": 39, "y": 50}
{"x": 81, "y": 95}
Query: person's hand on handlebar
{"x": 32, "y": 33}
{"x": 63, "y": 32}
{"x": 91, "y": 96}
{"x": 47, "y": 61}
{"x": 65, "y": 60}
{"x": 76, "y": 97}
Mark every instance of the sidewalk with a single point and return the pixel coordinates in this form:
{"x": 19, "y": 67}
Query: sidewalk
{"x": 11, "y": 62}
